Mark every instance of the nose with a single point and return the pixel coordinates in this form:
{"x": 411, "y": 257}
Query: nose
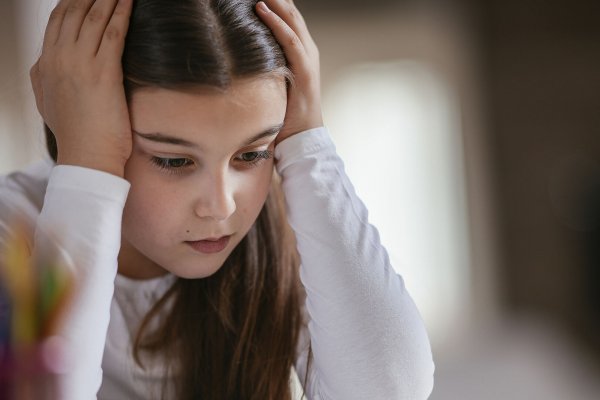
{"x": 216, "y": 197}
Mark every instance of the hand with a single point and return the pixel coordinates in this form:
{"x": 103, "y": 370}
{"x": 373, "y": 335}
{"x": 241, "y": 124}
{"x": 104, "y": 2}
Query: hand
{"x": 78, "y": 83}
{"x": 304, "y": 97}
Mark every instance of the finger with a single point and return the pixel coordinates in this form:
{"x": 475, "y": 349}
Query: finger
{"x": 286, "y": 37}
{"x": 113, "y": 39}
{"x": 95, "y": 23}
{"x": 75, "y": 12}
{"x": 288, "y": 12}
{"x": 54, "y": 24}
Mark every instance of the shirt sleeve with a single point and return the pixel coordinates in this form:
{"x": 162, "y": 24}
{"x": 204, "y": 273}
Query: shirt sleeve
{"x": 367, "y": 336}
{"x": 81, "y": 216}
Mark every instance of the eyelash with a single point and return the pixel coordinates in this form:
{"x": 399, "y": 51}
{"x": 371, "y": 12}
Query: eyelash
{"x": 164, "y": 163}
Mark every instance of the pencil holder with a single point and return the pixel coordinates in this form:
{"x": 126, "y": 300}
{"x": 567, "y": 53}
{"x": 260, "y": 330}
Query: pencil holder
{"x": 34, "y": 293}
{"x": 31, "y": 372}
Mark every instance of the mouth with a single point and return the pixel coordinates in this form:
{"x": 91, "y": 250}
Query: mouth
{"x": 210, "y": 245}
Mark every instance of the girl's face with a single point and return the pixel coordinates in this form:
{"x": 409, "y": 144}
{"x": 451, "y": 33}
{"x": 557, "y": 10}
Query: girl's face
{"x": 200, "y": 170}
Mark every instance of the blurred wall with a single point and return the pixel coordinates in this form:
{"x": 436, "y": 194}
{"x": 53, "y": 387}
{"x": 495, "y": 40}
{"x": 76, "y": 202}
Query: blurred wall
{"x": 440, "y": 36}
{"x": 11, "y": 98}
{"x": 543, "y": 87}
{"x": 526, "y": 74}
{"x": 22, "y": 24}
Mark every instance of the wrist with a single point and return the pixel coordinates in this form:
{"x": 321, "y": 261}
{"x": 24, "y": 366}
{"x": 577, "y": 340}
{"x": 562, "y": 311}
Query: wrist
{"x": 112, "y": 166}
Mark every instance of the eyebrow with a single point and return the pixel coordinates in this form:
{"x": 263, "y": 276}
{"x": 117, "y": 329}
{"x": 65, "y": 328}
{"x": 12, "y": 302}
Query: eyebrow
{"x": 162, "y": 138}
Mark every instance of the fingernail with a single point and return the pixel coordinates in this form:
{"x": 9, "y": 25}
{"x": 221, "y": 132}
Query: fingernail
{"x": 263, "y": 7}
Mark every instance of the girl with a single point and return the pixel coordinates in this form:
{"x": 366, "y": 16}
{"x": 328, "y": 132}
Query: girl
{"x": 172, "y": 127}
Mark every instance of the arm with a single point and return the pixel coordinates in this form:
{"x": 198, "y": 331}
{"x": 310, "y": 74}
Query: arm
{"x": 368, "y": 339}
{"x": 79, "y": 92}
{"x": 84, "y": 207}
{"x": 74, "y": 213}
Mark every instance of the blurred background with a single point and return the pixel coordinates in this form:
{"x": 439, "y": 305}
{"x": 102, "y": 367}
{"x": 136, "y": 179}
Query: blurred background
{"x": 471, "y": 129}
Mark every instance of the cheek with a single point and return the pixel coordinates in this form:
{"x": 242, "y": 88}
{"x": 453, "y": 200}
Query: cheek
{"x": 142, "y": 204}
{"x": 138, "y": 215}
{"x": 147, "y": 211}
{"x": 254, "y": 193}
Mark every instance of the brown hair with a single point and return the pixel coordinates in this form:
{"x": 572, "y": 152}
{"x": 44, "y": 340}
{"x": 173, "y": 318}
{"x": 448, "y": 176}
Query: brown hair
{"x": 232, "y": 335}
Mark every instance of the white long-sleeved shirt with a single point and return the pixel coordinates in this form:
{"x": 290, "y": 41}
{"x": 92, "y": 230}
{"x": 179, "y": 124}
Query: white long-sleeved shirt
{"x": 368, "y": 339}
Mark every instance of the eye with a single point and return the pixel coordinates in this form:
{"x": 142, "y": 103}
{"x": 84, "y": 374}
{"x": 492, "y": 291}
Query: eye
{"x": 176, "y": 165}
{"x": 249, "y": 156}
{"x": 254, "y": 157}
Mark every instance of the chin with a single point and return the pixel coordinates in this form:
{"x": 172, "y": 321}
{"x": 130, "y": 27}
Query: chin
{"x": 195, "y": 272}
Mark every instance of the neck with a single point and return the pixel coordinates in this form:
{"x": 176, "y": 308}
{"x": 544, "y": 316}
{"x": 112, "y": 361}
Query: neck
{"x": 134, "y": 265}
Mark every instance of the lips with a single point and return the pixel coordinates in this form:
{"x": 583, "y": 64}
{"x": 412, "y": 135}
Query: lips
{"x": 210, "y": 245}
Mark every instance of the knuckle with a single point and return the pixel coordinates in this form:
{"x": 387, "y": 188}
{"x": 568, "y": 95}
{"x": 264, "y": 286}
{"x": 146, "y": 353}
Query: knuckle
{"x": 292, "y": 12}
{"x": 95, "y": 16}
{"x": 120, "y": 10}
{"x": 57, "y": 13}
{"x": 77, "y": 6}
{"x": 294, "y": 41}
{"x": 113, "y": 33}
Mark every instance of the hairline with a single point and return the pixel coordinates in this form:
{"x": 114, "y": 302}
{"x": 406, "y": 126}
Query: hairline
{"x": 207, "y": 88}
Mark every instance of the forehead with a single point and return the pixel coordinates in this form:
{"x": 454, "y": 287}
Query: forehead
{"x": 246, "y": 107}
